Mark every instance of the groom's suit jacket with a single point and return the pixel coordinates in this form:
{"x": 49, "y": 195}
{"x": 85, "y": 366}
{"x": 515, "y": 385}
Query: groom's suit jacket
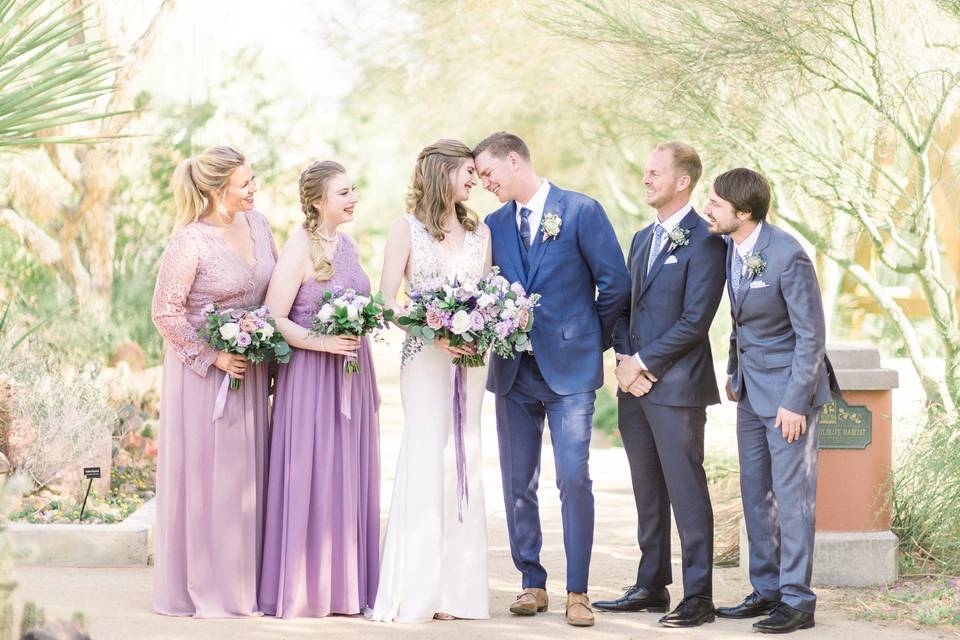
{"x": 668, "y": 317}
{"x": 582, "y": 278}
{"x": 778, "y": 340}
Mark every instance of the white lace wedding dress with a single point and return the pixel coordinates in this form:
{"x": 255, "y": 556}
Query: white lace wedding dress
{"x": 432, "y": 561}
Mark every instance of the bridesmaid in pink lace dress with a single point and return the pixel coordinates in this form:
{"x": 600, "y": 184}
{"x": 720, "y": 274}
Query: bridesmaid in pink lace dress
{"x": 321, "y": 548}
{"x": 210, "y": 474}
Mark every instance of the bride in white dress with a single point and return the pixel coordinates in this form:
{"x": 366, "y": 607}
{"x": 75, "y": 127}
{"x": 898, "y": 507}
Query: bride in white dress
{"x": 434, "y": 558}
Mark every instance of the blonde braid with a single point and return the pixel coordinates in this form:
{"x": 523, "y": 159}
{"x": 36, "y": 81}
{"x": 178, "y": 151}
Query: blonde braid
{"x": 313, "y": 191}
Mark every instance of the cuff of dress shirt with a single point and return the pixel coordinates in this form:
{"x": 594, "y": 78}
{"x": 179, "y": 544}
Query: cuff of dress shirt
{"x": 639, "y": 361}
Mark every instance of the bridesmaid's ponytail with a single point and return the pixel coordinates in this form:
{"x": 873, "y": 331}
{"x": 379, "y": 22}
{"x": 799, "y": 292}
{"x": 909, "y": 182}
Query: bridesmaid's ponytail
{"x": 313, "y": 192}
{"x": 196, "y": 179}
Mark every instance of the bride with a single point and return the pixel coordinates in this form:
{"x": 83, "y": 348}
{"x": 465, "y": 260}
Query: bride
{"x": 434, "y": 560}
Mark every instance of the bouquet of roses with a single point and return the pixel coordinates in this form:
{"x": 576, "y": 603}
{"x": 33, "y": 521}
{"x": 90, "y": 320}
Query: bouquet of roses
{"x": 345, "y": 312}
{"x": 487, "y": 313}
{"x": 251, "y": 333}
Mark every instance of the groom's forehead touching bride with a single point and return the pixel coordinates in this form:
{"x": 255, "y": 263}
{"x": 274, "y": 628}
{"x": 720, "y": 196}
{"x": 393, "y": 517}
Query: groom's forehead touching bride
{"x": 503, "y": 164}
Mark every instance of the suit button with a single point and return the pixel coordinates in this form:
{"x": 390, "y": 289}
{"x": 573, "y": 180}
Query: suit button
{"x": 633, "y": 337}
{"x": 742, "y": 350}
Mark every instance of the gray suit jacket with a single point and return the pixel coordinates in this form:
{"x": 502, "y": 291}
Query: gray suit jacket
{"x": 778, "y": 341}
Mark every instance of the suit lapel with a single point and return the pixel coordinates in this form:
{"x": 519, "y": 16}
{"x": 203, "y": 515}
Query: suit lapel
{"x": 510, "y": 239}
{"x": 640, "y": 261}
{"x": 538, "y": 245}
{"x": 689, "y": 222}
{"x": 730, "y": 292}
{"x": 762, "y": 241}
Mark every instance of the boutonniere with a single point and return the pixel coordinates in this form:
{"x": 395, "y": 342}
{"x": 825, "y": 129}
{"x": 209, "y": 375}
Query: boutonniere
{"x": 756, "y": 263}
{"x": 550, "y": 226}
{"x": 679, "y": 237}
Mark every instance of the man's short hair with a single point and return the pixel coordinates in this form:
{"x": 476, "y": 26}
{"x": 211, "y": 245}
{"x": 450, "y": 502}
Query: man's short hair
{"x": 746, "y": 190}
{"x": 685, "y": 158}
{"x": 502, "y": 143}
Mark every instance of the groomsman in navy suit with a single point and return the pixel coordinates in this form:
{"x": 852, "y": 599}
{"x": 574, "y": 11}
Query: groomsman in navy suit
{"x": 666, "y": 379}
{"x": 561, "y": 245}
{"x": 781, "y": 378}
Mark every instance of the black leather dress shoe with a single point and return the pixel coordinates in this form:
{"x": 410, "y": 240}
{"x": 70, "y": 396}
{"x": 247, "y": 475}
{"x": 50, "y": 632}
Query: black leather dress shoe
{"x": 751, "y": 607}
{"x": 691, "y": 612}
{"x": 637, "y": 598}
{"x": 785, "y": 619}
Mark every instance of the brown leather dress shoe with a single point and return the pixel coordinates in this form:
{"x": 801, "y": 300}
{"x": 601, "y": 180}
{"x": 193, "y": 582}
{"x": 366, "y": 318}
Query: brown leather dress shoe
{"x": 579, "y": 611}
{"x": 530, "y": 602}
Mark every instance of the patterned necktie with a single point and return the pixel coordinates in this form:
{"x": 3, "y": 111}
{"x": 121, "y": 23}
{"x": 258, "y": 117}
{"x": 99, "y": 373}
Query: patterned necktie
{"x": 655, "y": 248}
{"x": 736, "y": 274}
{"x": 525, "y": 226}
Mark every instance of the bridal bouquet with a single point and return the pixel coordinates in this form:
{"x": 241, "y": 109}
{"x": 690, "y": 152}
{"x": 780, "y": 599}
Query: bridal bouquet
{"x": 345, "y": 312}
{"x": 487, "y": 313}
{"x": 251, "y": 333}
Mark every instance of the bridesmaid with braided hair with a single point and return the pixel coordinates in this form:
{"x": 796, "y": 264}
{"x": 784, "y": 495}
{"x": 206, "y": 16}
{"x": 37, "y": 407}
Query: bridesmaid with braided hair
{"x": 321, "y": 546}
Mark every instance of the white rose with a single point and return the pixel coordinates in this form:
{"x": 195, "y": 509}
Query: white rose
{"x": 486, "y": 300}
{"x": 325, "y": 313}
{"x": 265, "y": 331}
{"x": 352, "y": 312}
{"x": 229, "y": 330}
{"x": 460, "y": 322}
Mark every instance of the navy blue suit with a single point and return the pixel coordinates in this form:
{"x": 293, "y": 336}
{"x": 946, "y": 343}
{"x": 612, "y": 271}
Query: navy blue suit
{"x": 667, "y": 322}
{"x": 583, "y": 281}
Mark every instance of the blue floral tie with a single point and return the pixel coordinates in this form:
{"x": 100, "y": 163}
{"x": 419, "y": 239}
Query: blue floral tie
{"x": 736, "y": 274}
{"x": 655, "y": 249}
{"x": 525, "y": 226}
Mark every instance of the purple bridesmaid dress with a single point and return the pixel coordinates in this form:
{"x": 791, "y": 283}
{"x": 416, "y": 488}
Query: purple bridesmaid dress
{"x": 210, "y": 474}
{"x": 321, "y": 546}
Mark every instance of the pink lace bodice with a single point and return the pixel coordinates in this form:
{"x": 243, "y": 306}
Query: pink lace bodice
{"x": 347, "y": 274}
{"x": 198, "y": 268}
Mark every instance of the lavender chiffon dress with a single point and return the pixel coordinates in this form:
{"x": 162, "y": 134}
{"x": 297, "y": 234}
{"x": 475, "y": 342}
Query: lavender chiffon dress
{"x": 321, "y": 548}
{"x": 210, "y": 474}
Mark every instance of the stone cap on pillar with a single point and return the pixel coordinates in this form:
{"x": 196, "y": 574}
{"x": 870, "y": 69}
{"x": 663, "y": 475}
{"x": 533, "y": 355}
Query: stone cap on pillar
{"x": 857, "y": 367}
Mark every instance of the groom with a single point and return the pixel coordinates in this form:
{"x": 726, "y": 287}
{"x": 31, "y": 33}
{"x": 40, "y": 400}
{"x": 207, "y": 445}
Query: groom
{"x": 561, "y": 245}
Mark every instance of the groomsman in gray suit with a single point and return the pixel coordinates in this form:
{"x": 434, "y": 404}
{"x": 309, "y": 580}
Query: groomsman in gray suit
{"x": 779, "y": 376}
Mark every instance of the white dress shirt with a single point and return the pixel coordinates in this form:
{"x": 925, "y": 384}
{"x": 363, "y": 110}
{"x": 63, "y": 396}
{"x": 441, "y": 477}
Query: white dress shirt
{"x": 668, "y": 225}
{"x": 536, "y": 204}
{"x": 747, "y": 246}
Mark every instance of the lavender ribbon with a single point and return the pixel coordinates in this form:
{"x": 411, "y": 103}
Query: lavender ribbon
{"x": 345, "y": 394}
{"x": 459, "y": 409}
{"x": 221, "y": 397}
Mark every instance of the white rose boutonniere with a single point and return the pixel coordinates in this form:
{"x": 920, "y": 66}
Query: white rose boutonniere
{"x": 755, "y": 263}
{"x": 679, "y": 237}
{"x": 550, "y": 226}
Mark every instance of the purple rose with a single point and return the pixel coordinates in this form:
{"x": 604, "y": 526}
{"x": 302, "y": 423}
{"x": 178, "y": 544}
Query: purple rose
{"x": 503, "y": 329}
{"x": 243, "y": 339}
{"x": 517, "y": 288}
{"x": 476, "y": 321}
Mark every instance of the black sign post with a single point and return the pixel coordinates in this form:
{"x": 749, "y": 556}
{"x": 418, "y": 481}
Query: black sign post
{"x": 90, "y": 473}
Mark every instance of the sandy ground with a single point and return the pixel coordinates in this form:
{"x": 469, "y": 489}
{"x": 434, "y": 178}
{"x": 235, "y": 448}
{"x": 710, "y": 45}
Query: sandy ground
{"x": 116, "y": 602}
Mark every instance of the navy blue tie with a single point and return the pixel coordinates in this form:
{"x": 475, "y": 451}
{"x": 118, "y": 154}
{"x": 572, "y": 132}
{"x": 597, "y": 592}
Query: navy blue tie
{"x": 525, "y": 226}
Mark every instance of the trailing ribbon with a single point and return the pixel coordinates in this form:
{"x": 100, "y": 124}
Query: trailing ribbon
{"x": 221, "y": 397}
{"x": 345, "y": 390}
{"x": 459, "y": 409}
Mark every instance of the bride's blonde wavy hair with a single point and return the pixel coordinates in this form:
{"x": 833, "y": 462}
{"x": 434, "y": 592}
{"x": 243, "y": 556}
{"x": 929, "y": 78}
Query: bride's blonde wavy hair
{"x": 313, "y": 194}
{"x": 430, "y": 195}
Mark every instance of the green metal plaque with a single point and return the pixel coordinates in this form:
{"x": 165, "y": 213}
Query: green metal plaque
{"x": 845, "y": 426}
